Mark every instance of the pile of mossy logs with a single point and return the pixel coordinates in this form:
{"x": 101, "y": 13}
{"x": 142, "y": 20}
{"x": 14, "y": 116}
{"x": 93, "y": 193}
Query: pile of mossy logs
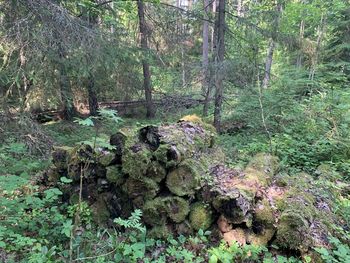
{"x": 176, "y": 175}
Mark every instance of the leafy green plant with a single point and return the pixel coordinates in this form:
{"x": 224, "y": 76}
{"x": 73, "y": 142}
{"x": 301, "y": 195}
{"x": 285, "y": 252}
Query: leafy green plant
{"x": 134, "y": 247}
{"x": 339, "y": 253}
{"x": 105, "y": 115}
{"x": 40, "y": 219}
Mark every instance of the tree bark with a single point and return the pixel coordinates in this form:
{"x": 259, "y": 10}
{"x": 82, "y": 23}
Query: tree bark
{"x": 146, "y": 70}
{"x": 268, "y": 64}
{"x": 213, "y": 28}
{"x": 220, "y": 60}
{"x": 271, "y": 48}
{"x": 205, "y": 58}
{"x": 93, "y": 103}
{"x": 301, "y": 36}
{"x": 320, "y": 32}
{"x": 91, "y": 18}
{"x": 68, "y": 108}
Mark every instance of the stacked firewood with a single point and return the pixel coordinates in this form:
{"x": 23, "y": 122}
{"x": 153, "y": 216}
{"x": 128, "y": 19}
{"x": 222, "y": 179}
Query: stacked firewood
{"x": 176, "y": 175}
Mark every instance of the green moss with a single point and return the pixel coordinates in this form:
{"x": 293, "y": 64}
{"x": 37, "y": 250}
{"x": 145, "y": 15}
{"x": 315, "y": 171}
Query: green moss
{"x": 168, "y": 155}
{"x": 159, "y": 232}
{"x": 185, "y": 179}
{"x": 184, "y": 228}
{"x": 115, "y": 175}
{"x": 264, "y": 214}
{"x": 161, "y": 153}
{"x": 60, "y": 156}
{"x": 156, "y": 171}
{"x": 105, "y": 158}
{"x": 293, "y": 230}
{"x": 136, "y": 160}
{"x": 142, "y": 187}
{"x": 177, "y": 208}
{"x": 262, "y": 238}
{"x": 155, "y": 212}
{"x": 201, "y": 216}
{"x": 265, "y": 163}
{"x": 79, "y": 155}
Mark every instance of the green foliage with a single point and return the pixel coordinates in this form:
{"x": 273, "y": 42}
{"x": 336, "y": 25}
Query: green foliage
{"x": 132, "y": 222}
{"x": 40, "y": 219}
{"x": 248, "y": 253}
{"x": 84, "y": 211}
{"x": 15, "y": 159}
{"x": 339, "y": 253}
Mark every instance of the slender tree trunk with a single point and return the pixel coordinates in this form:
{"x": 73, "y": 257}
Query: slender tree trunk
{"x": 301, "y": 37}
{"x": 268, "y": 64}
{"x": 93, "y": 102}
{"x": 205, "y": 58}
{"x": 145, "y": 65}
{"x": 92, "y": 19}
{"x": 220, "y": 60}
{"x": 320, "y": 32}
{"x": 68, "y": 108}
{"x": 213, "y": 28}
{"x": 271, "y": 48}
{"x": 183, "y": 67}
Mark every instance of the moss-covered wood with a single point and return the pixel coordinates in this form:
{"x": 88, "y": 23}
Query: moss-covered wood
{"x": 185, "y": 179}
{"x": 176, "y": 175}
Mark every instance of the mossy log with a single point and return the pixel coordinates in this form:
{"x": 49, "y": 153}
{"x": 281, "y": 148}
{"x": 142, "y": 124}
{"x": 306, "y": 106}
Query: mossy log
{"x": 160, "y": 232}
{"x": 157, "y": 211}
{"x": 60, "y": 156}
{"x": 185, "y": 179}
{"x": 53, "y": 174}
{"x": 115, "y": 175}
{"x": 156, "y": 171}
{"x": 106, "y": 157}
{"x": 234, "y": 192}
{"x": 230, "y": 195}
{"x": 201, "y": 216}
{"x": 140, "y": 190}
{"x": 174, "y": 143}
{"x": 118, "y": 140}
{"x": 136, "y": 159}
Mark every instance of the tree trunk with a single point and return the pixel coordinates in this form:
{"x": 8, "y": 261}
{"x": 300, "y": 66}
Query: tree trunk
{"x": 68, "y": 109}
{"x": 220, "y": 60}
{"x": 93, "y": 103}
{"x": 268, "y": 64}
{"x": 271, "y": 48}
{"x": 145, "y": 65}
{"x": 301, "y": 36}
{"x": 320, "y": 32}
{"x": 205, "y": 57}
{"x": 91, "y": 17}
{"x": 213, "y": 30}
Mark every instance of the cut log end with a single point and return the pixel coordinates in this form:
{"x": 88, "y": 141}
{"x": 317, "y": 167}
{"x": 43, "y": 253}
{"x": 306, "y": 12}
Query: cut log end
{"x": 184, "y": 180}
